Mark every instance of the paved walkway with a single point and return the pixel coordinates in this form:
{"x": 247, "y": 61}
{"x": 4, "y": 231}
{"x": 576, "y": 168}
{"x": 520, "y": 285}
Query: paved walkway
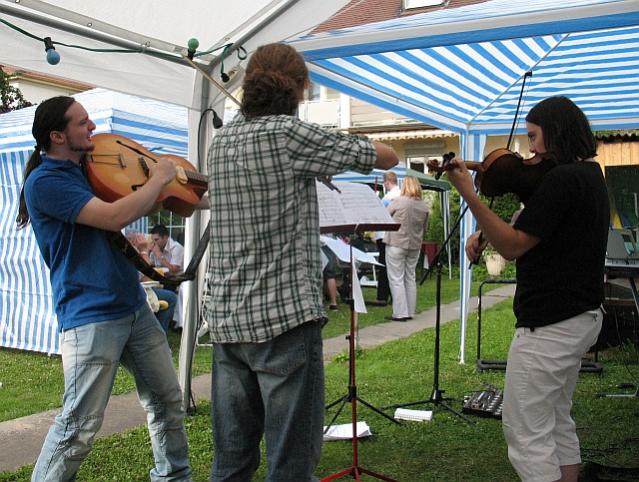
{"x": 21, "y": 439}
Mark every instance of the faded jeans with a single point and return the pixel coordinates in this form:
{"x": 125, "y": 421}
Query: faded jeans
{"x": 275, "y": 389}
{"x": 90, "y": 358}
{"x": 166, "y": 316}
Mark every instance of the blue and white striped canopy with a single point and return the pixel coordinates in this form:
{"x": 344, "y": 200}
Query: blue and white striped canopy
{"x": 27, "y": 317}
{"x": 462, "y": 69}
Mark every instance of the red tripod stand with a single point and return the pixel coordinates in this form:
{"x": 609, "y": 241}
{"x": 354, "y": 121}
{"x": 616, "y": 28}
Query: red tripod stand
{"x": 355, "y": 470}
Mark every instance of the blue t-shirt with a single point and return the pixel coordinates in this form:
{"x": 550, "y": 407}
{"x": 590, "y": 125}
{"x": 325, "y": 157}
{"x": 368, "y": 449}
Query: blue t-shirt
{"x": 92, "y": 280}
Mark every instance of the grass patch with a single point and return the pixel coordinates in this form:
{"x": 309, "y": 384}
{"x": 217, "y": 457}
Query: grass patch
{"x": 339, "y": 321}
{"x": 34, "y": 382}
{"x": 445, "y": 449}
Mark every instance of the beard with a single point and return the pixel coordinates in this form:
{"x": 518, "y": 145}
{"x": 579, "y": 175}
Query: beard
{"x": 89, "y": 147}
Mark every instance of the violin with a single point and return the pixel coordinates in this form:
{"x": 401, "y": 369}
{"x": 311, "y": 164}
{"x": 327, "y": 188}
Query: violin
{"x": 118, "y": 166}
{"x": 503, "y": 171}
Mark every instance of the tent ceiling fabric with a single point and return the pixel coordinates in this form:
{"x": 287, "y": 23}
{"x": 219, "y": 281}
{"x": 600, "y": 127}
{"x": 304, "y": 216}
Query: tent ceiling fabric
{"x": 158, "y": 25}
{"x": 462, "y": 69}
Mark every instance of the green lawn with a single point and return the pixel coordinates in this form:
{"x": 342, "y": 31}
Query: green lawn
{"x": 445, "y": 449}
{"x": 33, "y": 382}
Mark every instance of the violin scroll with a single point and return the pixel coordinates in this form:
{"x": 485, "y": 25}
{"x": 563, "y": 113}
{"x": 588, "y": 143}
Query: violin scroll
{"x": 446, "y": 160}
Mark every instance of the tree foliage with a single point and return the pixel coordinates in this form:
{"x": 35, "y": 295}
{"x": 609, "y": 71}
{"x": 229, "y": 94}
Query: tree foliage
{"x": 11, "y": 97}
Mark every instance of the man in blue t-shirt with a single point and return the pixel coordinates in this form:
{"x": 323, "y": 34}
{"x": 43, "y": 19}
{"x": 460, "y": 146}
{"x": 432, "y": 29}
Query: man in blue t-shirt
{"x": 101, "y": 307}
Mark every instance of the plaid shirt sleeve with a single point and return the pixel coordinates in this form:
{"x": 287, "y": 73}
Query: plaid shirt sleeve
{"x": 316, "y": 151}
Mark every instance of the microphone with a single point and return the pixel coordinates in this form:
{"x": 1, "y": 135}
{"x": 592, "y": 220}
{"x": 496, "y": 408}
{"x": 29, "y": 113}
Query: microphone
{"x": 447, "y": 158}
{"x": 217, "y": 122}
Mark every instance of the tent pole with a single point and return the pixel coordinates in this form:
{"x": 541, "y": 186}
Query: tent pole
{"x": 192, "y": 235}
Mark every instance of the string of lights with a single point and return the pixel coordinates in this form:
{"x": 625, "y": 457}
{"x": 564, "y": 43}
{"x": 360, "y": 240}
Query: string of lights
{"x": 53, "y": 56}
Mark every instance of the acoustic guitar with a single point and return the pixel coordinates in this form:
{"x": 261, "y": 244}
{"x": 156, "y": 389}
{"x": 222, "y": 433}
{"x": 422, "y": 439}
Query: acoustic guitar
{"x": 118, "y": 166}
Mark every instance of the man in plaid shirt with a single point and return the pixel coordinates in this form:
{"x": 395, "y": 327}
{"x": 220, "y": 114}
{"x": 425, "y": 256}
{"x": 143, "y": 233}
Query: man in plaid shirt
{"x": 265, "y": 311}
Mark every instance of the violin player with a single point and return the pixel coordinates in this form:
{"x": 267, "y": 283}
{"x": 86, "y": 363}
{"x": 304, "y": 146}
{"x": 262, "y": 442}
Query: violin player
{"x": 559, "y": 244}
{"x": 266, "y": 304}
{"x": 101, "y": 308}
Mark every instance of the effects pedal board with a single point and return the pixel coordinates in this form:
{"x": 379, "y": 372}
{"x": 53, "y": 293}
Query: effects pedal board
{"x": 484, "y": 403}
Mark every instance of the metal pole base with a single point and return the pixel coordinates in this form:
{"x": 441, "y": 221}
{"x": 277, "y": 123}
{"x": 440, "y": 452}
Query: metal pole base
{"x": 355, "y": 472}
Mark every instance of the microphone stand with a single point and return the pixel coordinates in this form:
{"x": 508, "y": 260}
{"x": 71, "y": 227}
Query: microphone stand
{"x": 436, "y": 397}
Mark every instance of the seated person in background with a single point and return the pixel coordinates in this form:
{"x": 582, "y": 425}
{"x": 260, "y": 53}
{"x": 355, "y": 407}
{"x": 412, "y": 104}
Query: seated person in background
{"x": 330, "y": 273}
{"x": 165, "y": 252}
{"x": 164, "y": 316}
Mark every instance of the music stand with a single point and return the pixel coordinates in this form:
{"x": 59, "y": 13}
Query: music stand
{"x": 355, "y": 470}
{"x": 351, "y": 395}
{"x": 436, "y": 396}
{"x": 340, "y": 220}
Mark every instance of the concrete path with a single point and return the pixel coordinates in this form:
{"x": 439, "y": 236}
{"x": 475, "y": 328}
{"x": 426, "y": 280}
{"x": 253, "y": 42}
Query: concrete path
{"x": 21, "y": 439}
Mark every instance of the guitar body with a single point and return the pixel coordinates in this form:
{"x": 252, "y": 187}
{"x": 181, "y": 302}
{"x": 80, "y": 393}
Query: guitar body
{"x": 118, "y": 166}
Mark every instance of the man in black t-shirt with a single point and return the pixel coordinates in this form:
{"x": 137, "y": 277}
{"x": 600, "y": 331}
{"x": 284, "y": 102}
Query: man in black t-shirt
{"x": 559, "y": 242}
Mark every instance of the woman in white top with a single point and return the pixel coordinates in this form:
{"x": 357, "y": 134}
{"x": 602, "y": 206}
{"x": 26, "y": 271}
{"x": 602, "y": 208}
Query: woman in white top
{"x": 403, "y": 246}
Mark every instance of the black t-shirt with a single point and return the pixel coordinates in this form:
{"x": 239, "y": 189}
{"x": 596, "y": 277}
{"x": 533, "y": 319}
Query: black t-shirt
{"x": 563, "y": 275}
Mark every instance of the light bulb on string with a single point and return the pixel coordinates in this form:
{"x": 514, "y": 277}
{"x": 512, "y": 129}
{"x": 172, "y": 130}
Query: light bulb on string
{"x": 53, "y": 57}
{"x": 192, "y": 46}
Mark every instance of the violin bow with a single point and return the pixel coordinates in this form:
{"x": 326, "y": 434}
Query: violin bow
{"x": 510, "y": 140}
{"x": 515, "y": 120}
{"x": 211, "y": 79}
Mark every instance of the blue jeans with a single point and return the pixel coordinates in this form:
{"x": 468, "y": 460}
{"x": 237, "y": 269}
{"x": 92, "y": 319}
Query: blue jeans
{"x": 275, "y": 389}
{"x": 165, "y": 316}
{"x": 90, "y": 357}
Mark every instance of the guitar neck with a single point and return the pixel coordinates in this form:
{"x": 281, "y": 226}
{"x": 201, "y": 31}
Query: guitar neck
{"x": 197, "y": 178}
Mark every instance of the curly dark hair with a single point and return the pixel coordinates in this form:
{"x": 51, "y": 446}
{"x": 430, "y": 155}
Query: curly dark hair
{"x": 274, "y": 81}
{"x": 567, "y": 133}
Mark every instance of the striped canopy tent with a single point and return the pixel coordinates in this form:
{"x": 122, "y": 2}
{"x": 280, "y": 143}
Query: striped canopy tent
{"x": 462, "y": 69}
{"x": 27, "y": 318}
{"x": 141, "y": 48}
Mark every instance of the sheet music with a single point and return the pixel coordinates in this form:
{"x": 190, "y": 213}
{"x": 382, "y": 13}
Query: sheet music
{"x": 343, "y": 251}
{"x": 354, "y": 204}
{"x": 345, "y": 431}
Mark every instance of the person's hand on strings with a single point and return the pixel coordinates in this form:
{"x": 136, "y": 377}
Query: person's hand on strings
{"x": 164, "y": 169}
{"x": 460, "y": 177}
